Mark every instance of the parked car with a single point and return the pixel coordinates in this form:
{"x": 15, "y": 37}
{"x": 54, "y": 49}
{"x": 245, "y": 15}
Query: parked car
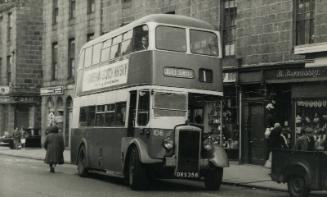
{"x": 7, "y": 140}
{"x": 33, "y": 137}
{"x": 303, "y": 171}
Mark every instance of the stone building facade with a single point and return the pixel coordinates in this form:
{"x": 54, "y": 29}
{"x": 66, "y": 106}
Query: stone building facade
{"x": 20, "y": 64}
{"x": 273, "y": 50}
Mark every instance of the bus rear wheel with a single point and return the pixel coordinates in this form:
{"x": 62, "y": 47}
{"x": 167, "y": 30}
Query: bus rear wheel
{"x": 213, "y": 178}
{"x": 137, "y": 177}
{"x": 81, "y": 163}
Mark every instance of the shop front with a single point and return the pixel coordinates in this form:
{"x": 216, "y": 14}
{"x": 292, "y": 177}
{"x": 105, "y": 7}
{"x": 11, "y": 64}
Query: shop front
{"x": 307, "y": 111}
{"x": 57, "y": 106}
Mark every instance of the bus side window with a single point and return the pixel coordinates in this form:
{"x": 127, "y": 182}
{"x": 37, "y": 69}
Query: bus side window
{"x": 82, "y": 117}
{"x": 90, "y": 116}
{"x": 96, "y": 53}
{"x": 143, "y": 108}
{"x": 127, "y": 43}
{"x": 140, "y": 38}
{"x": 81, "y": 59}
{"x": 120, "y": 114}
{"x": 116, "y": 47}
{"x": 105, "y": 50}
{"x": 88, "y": 57}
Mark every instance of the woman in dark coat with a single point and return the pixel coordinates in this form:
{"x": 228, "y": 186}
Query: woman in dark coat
{"x": 54, "y": 144}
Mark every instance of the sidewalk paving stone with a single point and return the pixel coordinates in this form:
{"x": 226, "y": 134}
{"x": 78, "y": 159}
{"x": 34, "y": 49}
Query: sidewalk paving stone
{"x": 247, "y": 175}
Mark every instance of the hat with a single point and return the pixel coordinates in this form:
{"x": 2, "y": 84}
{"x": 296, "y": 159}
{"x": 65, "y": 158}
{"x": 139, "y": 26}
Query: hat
{"x": 53, "y": 129}
{"x": 269, "y": 106}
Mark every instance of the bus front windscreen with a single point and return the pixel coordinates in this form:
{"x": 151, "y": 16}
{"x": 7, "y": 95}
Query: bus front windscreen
{"x": 203, "y": 42}
{"x": 171, "y": 38}
{"x": 169, "y": 104}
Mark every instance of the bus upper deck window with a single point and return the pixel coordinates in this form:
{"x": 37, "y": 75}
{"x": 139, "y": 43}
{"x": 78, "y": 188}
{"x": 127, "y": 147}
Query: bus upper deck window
{"x": 141, "y": 38}
{"x": 143, "y": 108}
{"x": 171, "y": 38}
{"x": 204, "y": 42}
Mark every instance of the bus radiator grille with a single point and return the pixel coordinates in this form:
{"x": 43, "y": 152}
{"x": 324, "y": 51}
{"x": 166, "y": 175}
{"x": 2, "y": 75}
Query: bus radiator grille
{"x": 188, "y": 151}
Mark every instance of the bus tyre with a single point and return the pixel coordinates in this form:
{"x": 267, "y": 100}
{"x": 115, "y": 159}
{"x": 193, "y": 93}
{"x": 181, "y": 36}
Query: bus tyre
{"x": 213, "y": 178}
{"x": 81, "y": 163}
{"x": 137, "y": 177}
{"x": 297, "y": 187}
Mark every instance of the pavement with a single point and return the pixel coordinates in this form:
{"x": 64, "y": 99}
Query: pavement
{"x": 247, "y": 175}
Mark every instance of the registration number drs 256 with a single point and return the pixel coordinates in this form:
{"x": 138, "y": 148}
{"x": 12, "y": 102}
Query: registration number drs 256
{"x": 187, "y": 174}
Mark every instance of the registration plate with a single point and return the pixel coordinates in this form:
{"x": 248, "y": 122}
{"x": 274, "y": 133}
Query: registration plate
{"x": 187, "y": 174}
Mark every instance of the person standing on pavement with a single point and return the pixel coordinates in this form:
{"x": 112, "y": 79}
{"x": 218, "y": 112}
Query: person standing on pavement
{"x": 54, "y": 145}
{"x": 17, "y": 136}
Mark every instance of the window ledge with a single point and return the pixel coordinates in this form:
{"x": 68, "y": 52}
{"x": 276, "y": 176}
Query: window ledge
{"x": 310, "y": 48}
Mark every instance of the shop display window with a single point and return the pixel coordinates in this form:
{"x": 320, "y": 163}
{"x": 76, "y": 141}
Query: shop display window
{"x": 229, "y": 127}
{"x": 311, "y": 125}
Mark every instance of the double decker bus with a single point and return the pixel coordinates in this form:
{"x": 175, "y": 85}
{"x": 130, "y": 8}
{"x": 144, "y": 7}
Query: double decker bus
{"x": 148, "y": 103}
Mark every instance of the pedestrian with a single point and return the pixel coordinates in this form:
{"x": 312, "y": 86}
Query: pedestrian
{"x": 17, "y": 136}
{"x": 54, "y": 145}
{"x": 276, "y": 141}
{"x": 269, "y": 125}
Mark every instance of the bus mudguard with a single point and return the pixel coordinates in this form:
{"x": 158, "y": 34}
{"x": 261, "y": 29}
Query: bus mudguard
{"x": 144, "y": 155}
{"x": 219, "y": 158}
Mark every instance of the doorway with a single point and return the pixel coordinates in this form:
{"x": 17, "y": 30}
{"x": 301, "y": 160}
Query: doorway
{"x": 255, "y": 133}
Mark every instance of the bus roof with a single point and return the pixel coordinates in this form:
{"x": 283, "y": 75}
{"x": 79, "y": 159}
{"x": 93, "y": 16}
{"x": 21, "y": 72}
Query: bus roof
{"x": 178, "y": 20}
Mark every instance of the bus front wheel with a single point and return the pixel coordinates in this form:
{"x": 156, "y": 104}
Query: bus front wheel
{"x": 137, "y": 177}
{"x": 81, "y": 163}
{"x": 213, "y": 178}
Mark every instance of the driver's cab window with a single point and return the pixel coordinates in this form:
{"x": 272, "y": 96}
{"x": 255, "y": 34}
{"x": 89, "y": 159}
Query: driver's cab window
{"x": 143, "y": 108}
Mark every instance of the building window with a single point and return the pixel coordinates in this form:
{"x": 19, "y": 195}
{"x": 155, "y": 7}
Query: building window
{"x": 54, "y": 64}
{"x": 55, "y": 12}
{"x": 71, "y": 58}
{"x": 126, "y": 4}
{"x": 304, "y": 21}
{"x": 9, "y": 61}
{"x": 89, "y": 36}
{"x": 0, "y": 67}
{"x": 10, "y": 26}
{"x": 229, "y": 27}
{"x": 72, "y": 9}
{"x": 90, "y": 6}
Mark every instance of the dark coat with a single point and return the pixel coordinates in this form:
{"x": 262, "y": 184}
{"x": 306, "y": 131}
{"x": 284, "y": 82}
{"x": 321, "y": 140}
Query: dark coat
{"x": 275, "y": 139}
{"x": 54, "y": 144}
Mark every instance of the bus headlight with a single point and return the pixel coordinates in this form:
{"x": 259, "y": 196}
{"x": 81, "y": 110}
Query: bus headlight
{"x": 168, "y": 143}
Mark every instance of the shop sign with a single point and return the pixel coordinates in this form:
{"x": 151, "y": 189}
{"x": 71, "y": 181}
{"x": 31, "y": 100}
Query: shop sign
{"x": 6, "y": 99}
{"x": 24, "y": 99}
{"x": 4, "y": 90}
{"x": 58, "y": 90}
{"x": 229, "y": 77}
{"x": 300, "y": 73}
{"x": 178, "y": 72}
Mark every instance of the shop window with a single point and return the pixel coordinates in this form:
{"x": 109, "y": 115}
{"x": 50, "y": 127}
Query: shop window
{"x": 311, "y": 125}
